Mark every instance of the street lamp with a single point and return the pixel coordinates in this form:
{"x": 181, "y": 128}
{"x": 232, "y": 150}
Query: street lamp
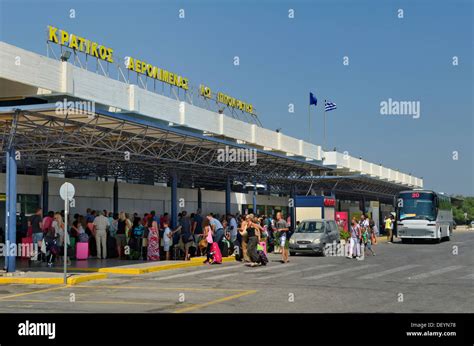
{"x": 65, "y": 55}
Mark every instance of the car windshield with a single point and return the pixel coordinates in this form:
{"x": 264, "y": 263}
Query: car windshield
{"x": 311, "y": 227}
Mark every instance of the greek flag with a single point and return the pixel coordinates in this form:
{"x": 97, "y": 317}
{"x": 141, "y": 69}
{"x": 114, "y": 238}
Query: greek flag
{"x": 329, "y": 106}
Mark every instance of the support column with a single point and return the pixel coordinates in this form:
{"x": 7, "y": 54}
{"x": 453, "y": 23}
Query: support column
{"x": 45, "y": 193}
{"x": 174, "y": 199}
{"x": 199, "y": 198}
{"x": 292, "y": 208}
{"x": 10, "y": 230}
{"x": 227, "y": 196}
{"x": 116, "y": 197}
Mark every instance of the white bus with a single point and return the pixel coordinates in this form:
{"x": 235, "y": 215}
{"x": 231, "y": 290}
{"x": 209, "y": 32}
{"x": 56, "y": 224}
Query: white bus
{"x": 424, "y": 214}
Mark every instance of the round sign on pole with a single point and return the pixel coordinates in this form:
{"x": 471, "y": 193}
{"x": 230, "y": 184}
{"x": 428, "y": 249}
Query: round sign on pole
{"x": 67, "y": 191}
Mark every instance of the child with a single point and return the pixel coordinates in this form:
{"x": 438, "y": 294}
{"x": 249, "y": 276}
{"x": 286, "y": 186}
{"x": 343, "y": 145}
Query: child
{"x": 167, "y": 235}
{"x": 367, "y": 240}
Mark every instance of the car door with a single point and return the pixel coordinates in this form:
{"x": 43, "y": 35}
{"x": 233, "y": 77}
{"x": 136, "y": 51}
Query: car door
{"x": 333, "y": 234}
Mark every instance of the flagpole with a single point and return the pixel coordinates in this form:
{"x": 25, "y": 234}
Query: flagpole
{"x": 324, "y": 126}
{"x": 309, "y": 121}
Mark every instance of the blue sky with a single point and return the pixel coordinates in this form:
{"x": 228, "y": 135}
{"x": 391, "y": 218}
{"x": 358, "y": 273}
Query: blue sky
{"x": 282, "y": 59}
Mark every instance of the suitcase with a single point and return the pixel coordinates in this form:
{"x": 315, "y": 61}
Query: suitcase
{"x": 82, "y": 251}
{"x": 225, "y": 249}
{"x": 27, "y": 250}
{"x": 262, "y": 246}
{"x": 92, "y": 247}
{"x": 71, "y": 250}
{"x": 111, "y": 247}
{"x": 262, "y": 258}
{"x": 216, "y": 253}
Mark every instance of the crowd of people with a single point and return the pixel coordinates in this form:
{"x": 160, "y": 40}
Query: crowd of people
{"x": 150, "y": 237}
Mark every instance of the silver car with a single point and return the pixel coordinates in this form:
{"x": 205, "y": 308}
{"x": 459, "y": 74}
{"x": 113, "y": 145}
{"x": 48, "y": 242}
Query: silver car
{"x": 311, "y": 236}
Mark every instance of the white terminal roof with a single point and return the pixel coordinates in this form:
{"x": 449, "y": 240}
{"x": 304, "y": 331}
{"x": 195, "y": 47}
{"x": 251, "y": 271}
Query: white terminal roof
{"x": 37, "y": 75}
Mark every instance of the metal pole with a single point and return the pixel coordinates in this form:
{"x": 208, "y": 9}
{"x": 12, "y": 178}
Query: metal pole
{"x": 10, "y": 206}
{"x": 227, "y": 196}
{"x": 324, "y": 126}
{"x": 309, "y": 122}
{"x": 66, "y": 212}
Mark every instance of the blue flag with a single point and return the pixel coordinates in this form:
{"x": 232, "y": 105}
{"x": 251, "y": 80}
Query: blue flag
{"x": 312, "y": 99}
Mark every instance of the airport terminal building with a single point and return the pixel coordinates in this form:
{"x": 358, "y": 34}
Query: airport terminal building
{"x": 134, "y": 137}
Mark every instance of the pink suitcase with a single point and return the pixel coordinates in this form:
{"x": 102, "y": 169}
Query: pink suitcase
{"x": 26, "y": 249}
{"x": 264, "y": 246}
{"x": 82, "y": 251}
{"x": 216, "y": 253}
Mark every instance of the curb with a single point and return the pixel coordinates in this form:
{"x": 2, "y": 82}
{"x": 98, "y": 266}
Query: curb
{"x": 74, "y": 280}
{"x": 194, "y": 262}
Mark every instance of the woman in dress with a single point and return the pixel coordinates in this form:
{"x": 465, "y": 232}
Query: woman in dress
{"x": 153, "y": 253}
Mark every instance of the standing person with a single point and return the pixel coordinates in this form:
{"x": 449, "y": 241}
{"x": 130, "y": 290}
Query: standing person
{"x": 100, "y": 224}
{"x": 209, "y": 237}
{"x": 196, "y": 227}
{"x": 394, "y": 228}
{"x": 167, "y": 235}
{"x": 120, "y": 235}
{"x": 153, "y": 253}
{"x": 373, "y": 231}
{"x": 47, "y": 224}
{"x": 128, "y": 227}
{"x": 282, "y": 228}
{"x": 113, "y": 223}
{"x": 232, "y": 227}
{"x": 369, "y": 238}
{"x": 354, "y": 240}
{"x": 388, "y": 228}
{"x": 164, "y": 218}
{"x": 58, "y": 227}
{"x": 59, "y": 233}
{"x": 217, "y": 229}
{"x": 253, "y": 232}
{"x": 186, "y": 234}
{"x": 36, "y": 224}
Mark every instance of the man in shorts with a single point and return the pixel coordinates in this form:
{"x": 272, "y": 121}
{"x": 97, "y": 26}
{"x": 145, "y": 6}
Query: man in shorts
{"x": 282, "y": 227}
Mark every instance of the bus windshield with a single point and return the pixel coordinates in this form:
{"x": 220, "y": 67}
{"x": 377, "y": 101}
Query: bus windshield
{"x": 416, "y": 205}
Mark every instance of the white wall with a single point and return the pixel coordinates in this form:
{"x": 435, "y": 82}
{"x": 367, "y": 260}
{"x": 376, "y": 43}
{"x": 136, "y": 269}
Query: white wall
{"x": 134, "y": 197}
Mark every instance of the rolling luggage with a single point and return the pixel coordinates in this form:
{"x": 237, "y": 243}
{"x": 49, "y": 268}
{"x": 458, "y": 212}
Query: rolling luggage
{"x": 225, "y": 248}
{"x": 216, "y": 254}
{"x": 82, "y": 251}
{"x": 71, "y": 249}
{"x": 238, "y": 251}
{"x": 27, "y": 248}
{"x": 111, "y": 247}
{"x": 135, "y": 245}
{"x": 262, "y": 258}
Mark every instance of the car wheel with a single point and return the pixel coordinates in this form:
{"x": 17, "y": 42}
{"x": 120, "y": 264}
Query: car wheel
{"x": 404, "y": 241}
{"x": 292, "y": 253}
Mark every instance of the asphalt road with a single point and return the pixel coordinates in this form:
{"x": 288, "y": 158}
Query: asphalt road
{"x": 406, "y": 278}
